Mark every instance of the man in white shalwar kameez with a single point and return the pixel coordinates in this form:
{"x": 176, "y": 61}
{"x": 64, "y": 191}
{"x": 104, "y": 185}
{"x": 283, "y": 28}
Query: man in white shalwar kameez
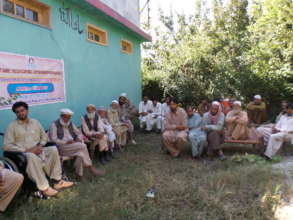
{"x": 145, "y": 113}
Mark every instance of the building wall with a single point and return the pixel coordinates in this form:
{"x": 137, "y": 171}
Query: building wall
{"x": 127, "y": 8}
{"x": 93, "y": 73}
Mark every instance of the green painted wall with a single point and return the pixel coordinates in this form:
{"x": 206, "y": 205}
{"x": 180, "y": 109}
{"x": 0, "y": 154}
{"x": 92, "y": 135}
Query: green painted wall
{"x": 93, "y": 73}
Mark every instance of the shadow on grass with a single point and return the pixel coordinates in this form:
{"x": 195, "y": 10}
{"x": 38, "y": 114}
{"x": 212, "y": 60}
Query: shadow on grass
{"x": 185, "y": 190}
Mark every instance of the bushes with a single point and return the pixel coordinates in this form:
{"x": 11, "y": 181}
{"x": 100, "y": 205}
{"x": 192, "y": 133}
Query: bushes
{"x": 228, "y": 54}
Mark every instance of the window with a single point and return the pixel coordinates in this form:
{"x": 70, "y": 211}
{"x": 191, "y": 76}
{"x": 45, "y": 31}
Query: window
{"x": 126, "y": 46}
{"x": 30, "y": 10}
{"x": 97, "y": 35}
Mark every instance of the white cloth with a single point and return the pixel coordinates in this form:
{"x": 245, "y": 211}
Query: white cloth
{"x": 66, "y": 111}
{"x": 285, "y": 126}
{"x": 165, "y": 110}
{"x": 145, "y": 108}
{"x": 157, "y": 118}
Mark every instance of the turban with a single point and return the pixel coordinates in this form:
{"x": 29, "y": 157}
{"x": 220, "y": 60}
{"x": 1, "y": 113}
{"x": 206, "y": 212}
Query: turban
{"x": 237, "y": 103}
{"x": 123, "y": 95}
{"x": 66, "y": 111}
{"x": 115, "y": 101}
{"x": 216, "y": 103}
{"x": 257, "y": 97}
{"x": 91, "y": 105}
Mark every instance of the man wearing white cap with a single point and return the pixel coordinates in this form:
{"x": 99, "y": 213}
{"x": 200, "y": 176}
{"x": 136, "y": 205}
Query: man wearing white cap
{"x": 257, "y": 110}
{"x": 69, "y": 142}
{"x": 26, "y": 135}
{"x": 92, "y": 128}
{"x": 237, "y": 121}
{"x": 145, "y": 113}
{"x": 126, "y": 112}
{"x": 118, "y": 126}
{"x": 108, "y": 129}
{"x": 213, "y": 124}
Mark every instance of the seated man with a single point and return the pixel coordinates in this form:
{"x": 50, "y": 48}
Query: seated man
{"x": 69, "y": 142}
{"x": 156, "y": 115}
{"x": 265, "y": 131}
{"x": 175, "y": 134}
{"x": 108, "y": 129}
{"x": 27, "y": 135}
{"x": 203, "y": 107}
{"x": 257, "y": 111}
{"x": 145, "y": 113}
{"x": 283, "y": 132}
{"x": 237, "y": 121}
{"x": 165, "y": 109}
{"x": 10, "y": 183}
{"x": 196, "y": 136}
{"x": 126, "y": 112}
{"x": 118, "y": 126}
{"x": 92, "y": 128}
{"x": 213, "y": 125}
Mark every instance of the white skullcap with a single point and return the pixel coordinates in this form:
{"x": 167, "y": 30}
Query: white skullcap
{"x": 115, "y": 101}
{"x": 91, "y": 105}
{"x": 216, "y": 103}
{"x": 237, "y": 103}
{"x": 257, "y": 97}
{"x": 226, "y": 100}
{"x": 102, "y": 108}
{"x": 123, "y": 95}
{"x": 66, "y": 111}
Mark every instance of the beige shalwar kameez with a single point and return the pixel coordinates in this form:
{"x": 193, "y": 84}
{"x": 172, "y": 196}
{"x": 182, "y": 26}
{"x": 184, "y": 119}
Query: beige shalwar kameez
{"x": 174, "y": 139}
{"x": 11, "y": 183}
{"x": 118, "y": 127}
{"x": 237, "y": 128}
{"x": 21, "y": 136}
{"x": 77, "y": 149}
{"x": 102, "y": 143}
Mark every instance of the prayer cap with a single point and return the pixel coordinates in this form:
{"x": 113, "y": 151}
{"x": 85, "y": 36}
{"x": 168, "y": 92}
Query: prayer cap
{"x": 91, "y": 105}
{"x": 66, "y": 111}
{"x": 237, "y": 103}
{"x": 257, "y": 97}
{"x": 102, "y": 108}
{"x": 216, "y": 103}
{"x": 123, "y": 95}
{"x": 115, "y": 101}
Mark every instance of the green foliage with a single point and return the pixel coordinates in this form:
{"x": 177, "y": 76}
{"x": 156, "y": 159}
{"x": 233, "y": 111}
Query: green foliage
{"x": 225, "y": 52}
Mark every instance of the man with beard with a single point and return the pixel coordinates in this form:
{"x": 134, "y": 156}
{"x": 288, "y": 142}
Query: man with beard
{"x": 282, "y": 132}
{"x": 145, "y": 113}
{"x": 27, "y": 135}
{"x": 265, "y": 131}
{"x": 92, "y": 128}
{"x": 257, "y": 110}
{"x": 70, "y": 144}
{"x": 237, "y": 121}
{"x": 111, "y": 136}
{"x": 175, "y": 134}
{"x": 213, "y": 125}
{"x": 126, "y": 112}
{"x": 118, "y": 126}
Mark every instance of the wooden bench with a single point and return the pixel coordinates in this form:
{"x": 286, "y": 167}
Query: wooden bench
{"x": 254, "y": 143}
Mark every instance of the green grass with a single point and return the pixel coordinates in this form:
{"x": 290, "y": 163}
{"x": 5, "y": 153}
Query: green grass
{"x": 185, "y": 190}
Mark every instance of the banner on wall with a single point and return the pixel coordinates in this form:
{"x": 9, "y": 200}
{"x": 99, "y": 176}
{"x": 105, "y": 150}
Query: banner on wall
{"x": 33, "y": 80}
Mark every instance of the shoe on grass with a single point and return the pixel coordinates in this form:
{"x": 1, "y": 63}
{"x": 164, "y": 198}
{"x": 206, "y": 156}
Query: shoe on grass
{"x": 62, "y": 184}
{"x": 50, "y": 192}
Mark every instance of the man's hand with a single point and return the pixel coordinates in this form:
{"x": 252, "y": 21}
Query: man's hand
{"x": 274, "y": 130}
{"x": 144, "y": 113}
{"x": 181, "y": 128}
{"x": 99, "y": 136}
{"x": 70, "y": 142}
{"x": 35, "y": 150}
{"x": 78, "y": 140}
